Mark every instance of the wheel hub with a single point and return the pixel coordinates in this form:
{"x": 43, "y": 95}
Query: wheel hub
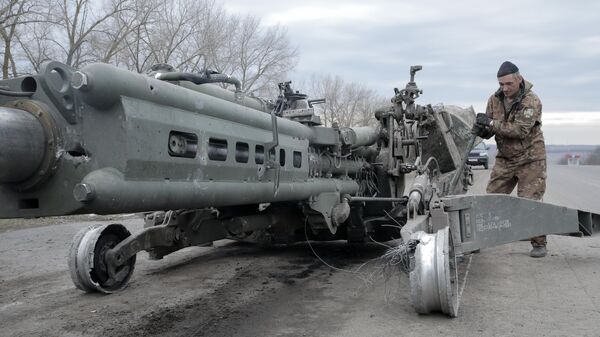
{"x": 87, "y": 259}
{"x": 433, "y": 281}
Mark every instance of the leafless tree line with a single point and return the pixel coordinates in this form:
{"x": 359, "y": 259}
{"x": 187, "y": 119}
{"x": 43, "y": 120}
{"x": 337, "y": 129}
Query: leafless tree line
{"x": 348, "y": 103}
{"x": 135, "y": 34}
{"x": 191, "y": 35}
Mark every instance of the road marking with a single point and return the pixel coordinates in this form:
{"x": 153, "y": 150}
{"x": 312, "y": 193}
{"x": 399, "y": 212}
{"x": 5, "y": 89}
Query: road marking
{"x": 462, "y": 288}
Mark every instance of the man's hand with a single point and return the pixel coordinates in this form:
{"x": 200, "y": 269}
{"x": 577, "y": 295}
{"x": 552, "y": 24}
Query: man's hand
{"x": 478, "y": 130}
{"x": 483, "y": 120}
{"x": 482, "y": 131}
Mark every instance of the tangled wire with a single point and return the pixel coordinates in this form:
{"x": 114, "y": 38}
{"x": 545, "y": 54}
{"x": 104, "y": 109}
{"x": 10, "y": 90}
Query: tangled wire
{"x": 400, "y": 258}
{"x": 367, "y": 180}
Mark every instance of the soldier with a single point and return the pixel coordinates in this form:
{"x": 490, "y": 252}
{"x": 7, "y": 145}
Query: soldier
{"x": 514, "y": 116}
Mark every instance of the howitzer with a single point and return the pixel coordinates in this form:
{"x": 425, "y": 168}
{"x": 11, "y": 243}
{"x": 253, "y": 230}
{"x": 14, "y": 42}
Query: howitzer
{"x": 205, "y": 163}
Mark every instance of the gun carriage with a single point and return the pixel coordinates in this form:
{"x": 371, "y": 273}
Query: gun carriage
{"x": 206, "y": 163}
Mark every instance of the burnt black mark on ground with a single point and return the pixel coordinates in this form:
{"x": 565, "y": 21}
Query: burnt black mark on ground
{"x": 198, "y": 316}
{"x": 306, "y": 260}
{"x": 290, "y": 274}
{"x": 231, "y": 302}
{"x": 338, "y": 254}
{"x": 220, "y": 312}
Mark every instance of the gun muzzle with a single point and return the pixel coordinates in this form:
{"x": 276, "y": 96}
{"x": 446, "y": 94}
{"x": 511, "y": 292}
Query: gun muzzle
{"x": 22, "y": 145}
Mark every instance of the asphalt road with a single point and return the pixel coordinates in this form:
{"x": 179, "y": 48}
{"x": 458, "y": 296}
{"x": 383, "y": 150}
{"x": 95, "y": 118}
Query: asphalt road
{"x": 236, "y": 289}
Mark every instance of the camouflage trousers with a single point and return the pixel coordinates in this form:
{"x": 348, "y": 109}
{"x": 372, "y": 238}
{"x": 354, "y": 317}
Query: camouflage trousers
{"x": 530, "y": 179}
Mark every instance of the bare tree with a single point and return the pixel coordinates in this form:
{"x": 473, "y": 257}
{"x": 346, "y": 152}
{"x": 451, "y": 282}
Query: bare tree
{"x": 137, "y": 54}
{"x": 6, "y": 10}
{"x": 172, "y": 33}
{"x": 168, "y": 37}
{"x": 327, "y": 87}
{"x": 36, "y": 46}
{"x": 193, "y": 35}
{"x": 81, "y": 20}
{"x": 346, "y": 103}
{"x": 263, "y": 54}
{"x": 115, "y": 33}
{"x": 13, "y": 15}
{"x": 190, "y": 35}
{"x": 213, "y": 39}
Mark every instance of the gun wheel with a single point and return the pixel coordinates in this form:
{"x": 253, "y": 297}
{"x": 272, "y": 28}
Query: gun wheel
{"x": 87, "y": 259}
{"x": 434, "y": 279}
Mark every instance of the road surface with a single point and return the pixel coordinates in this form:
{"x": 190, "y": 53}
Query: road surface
{"x": 236, "y": 289}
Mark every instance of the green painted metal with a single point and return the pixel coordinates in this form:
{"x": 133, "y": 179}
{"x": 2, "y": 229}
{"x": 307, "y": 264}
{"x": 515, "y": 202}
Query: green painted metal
{"x": 128, "y": 142}
{"x": 212, "y": 163}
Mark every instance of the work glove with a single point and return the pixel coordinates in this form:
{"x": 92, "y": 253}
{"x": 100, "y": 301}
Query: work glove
{"x": 483, "y": 120}
{"x": 478, "y": 130}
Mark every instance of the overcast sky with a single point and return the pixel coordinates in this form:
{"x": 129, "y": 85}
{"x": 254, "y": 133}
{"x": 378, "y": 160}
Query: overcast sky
{"x": 556, "y": 45}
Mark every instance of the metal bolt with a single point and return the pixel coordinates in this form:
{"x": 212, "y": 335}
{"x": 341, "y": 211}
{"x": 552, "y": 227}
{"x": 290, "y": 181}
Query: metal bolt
{"x": 79, "y": 80}
{"x": 84, "y": 192}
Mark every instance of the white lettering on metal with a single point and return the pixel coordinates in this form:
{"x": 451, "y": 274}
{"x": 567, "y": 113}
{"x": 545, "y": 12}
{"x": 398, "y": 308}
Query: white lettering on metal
{"x": 487, "y": 222}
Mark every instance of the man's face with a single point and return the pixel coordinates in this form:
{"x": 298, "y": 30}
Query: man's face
{"x": 510, "y": 84}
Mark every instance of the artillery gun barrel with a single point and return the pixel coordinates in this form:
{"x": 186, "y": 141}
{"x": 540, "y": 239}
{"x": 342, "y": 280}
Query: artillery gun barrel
{"x": 22, "y": 145}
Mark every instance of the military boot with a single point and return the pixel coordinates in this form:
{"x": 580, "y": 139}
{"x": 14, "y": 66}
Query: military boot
{"x": 538, "y": 251}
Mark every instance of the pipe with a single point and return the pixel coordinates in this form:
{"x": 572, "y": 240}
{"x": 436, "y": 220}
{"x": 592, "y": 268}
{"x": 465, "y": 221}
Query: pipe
{"x": 105, "y": 191}
{"x": 374, "y": 199}
{"x": 359, "y": 136}
{"x": 418, "y": 190}
{"x": 11, "y": 93}
{"x": 338, "y": 166}
{"x": 256, "y": 103}
{"x": 200, "y": 78}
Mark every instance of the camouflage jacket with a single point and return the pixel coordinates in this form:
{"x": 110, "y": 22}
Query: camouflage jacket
{"x": 517, "y": 127}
